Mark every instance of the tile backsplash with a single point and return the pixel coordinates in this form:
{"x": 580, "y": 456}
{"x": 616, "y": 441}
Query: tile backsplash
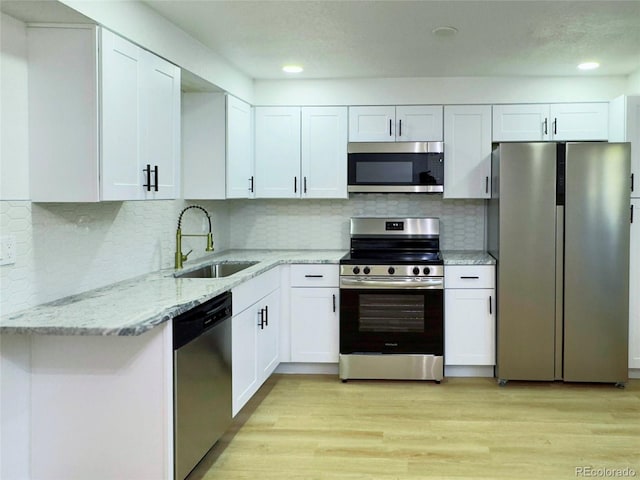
{"x": 63, "y": 249}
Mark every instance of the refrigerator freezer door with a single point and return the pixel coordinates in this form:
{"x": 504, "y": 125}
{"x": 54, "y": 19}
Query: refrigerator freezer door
{"x": 596, "y": 282}
{"x": 526, "y": 263}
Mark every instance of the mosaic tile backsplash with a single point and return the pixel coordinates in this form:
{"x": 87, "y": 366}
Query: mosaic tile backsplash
{"x": 63, "y": 249}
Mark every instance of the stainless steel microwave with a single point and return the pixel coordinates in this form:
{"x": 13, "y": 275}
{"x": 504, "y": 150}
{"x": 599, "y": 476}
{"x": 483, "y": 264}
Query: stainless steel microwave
{"x": 388, "y": 167}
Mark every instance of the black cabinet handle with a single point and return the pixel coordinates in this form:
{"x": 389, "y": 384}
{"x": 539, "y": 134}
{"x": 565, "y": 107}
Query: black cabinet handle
{"x": 251, "y": 184}
{"x": 334, "y": 303}
{"x": 313, "y": 276}
{"x": 631, "y": 213}
{"x": 555, "y": 126}
{"x": 470, "y": 278}
{"x": 305, "y": 184}
{"x": 490, "y": 308}
{"x": 546, "y": 131}
{"x": 400, "y": 129}
{"x": 486, "y": 184}
{"x": 148, "y": 172}
{"x": 632, "y": 175}
{"x": 261, "y": 324}
{"x": 266, "y": 315}
{"x": 390, "y": 133}
{"x": 295, "y": 184}
{"x": 155, "y": 169}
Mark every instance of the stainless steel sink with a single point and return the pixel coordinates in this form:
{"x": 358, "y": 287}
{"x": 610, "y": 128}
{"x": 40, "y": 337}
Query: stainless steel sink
{"x": 216, "y": 270}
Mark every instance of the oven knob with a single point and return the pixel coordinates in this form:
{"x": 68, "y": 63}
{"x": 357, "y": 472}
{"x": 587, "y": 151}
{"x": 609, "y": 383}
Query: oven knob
{"x": 426, "y": 270}
{"x": 416, "y": 271}
{"x": 356, "y": 270}
{"x": 366, "y": 270}
{"x": 391, "y": 270}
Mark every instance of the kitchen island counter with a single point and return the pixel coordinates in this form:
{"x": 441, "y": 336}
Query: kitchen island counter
{"x": 132, "y": 307}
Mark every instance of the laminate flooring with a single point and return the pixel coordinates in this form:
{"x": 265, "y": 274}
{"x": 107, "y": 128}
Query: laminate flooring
{"x": 315, "y": 427}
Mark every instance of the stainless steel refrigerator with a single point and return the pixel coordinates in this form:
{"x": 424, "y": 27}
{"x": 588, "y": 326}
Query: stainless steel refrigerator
{"x": 558, "y": 225}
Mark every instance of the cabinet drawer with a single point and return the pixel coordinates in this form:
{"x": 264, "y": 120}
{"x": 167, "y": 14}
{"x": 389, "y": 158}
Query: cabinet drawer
{"x": 249, "y": 292}
{"x": 469, "y": 276}
{"x": 312, "y": 275}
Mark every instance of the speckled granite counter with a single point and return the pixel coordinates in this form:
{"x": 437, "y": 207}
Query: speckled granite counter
{"x": 467, "y": 257}
{"x": 135, "y": 306}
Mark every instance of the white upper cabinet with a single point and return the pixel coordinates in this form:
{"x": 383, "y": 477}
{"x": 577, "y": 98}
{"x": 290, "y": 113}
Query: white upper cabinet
{"x": 240, "y": 177}
{"x": 410, "y": 123}
{"x": 104, "y": 122}
{"x": 624, "y": 126}
{"x": 467, "y": 151}
{"x": 324, "y": 152}
{"x": 217, "y": 158}
{"x": 203, "y": 145}
{"x": 554, "y": 122}
{"x": 300, "y": 152}
{"x": 277, "y": 158}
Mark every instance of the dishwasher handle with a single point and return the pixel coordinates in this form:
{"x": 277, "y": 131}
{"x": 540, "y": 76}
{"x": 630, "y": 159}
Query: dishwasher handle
{"x": 190, "y": 325}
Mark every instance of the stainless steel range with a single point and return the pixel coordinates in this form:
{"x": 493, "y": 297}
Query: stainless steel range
{"x": 392, "y": 300}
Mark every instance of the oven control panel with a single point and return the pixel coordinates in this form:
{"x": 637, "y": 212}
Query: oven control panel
{"x": 392, "y": 270}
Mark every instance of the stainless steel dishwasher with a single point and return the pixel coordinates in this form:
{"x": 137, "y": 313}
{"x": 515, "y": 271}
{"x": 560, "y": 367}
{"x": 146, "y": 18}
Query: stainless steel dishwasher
{"x": 202, "y": 380}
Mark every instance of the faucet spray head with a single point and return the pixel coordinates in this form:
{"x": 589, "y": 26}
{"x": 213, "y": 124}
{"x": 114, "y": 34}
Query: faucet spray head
{"x": 209, "y": 243}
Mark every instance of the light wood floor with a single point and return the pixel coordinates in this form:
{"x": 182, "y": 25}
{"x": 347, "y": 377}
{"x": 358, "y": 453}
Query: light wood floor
{"x": 315, "y": 427}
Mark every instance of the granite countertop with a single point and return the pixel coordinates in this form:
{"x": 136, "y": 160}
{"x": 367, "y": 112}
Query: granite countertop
{"x": 467, "y": 257}
{"x": 132, "y": 307}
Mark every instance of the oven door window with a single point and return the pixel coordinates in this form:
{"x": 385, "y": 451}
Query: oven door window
{"x": 391, "y": 313}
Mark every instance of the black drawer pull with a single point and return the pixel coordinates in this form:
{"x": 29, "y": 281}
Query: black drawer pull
{"x": 313, "y": 276}
{"x": 470, "y": 278}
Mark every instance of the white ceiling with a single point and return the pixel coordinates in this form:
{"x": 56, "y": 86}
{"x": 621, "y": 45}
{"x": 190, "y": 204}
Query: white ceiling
{"x": 364, "y": 38}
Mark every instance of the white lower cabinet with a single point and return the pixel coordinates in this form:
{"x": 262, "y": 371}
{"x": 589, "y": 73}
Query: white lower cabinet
{"x": 469, "y": 319}
{"x": 315, "y": 313}
{"x": 634, "y": 288}
{"x": 254, "y": 335}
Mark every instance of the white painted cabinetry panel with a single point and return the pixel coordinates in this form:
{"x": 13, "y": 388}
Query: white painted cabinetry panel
{"x": 555, "y": 122}
{"x": 324, "y": 152}
{"x": 634, "y": 289}
{"x": 467, "y": 151}
{"x": 469, "y": 315}
{"x": 372, "y": 124}
{"x": 277, "y": 159}
{"x": 239, "y": 164}
{"x": 410, "y": 123}
{"x": 314, "y": 325}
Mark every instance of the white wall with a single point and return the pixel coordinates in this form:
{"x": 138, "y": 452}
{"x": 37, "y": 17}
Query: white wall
{"x": 140, "y": 24}
{"x": 633, "y": 83}
{"x": 458, "y": 90}
{"x": 14, "y": 165}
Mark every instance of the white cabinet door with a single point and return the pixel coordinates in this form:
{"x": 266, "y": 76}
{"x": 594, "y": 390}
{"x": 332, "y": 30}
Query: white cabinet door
{"x": 419, "y": 123}
{"x": 277, "y": 155}
{"x": 469, "y": 327}
{"x": 239, "y": 149}
{"x": 160, "y": 126}
{"x": 268, "y": 335}
{"x": 314, "y": 324}
{"x": 579, "y": 121}
{"x": 624, "y": 126}
{"x": 244, "y": 356}
{"x": 122, "y": 176}
{"x": 203, "y": 145}
{"x": 372, "y": 124}
{"x": 634, "y": 289}
{"x": 467, "y": 151}
{"x": 521, "y": 123}
{"x": 63, "y": 114}
{"x": 324, "y": 152}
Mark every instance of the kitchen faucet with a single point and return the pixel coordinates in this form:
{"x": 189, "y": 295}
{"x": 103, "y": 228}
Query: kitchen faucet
{"x": 180, "y": 257}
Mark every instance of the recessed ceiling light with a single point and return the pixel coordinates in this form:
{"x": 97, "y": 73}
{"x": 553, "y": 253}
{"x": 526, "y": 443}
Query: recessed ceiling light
{"x": 444, "y": 31}
{"x": 588, "y": 65}
{"x": 292, "y": 69}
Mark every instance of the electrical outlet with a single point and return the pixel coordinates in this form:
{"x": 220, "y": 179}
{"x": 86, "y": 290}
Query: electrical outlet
{"x": 7, "y": 249}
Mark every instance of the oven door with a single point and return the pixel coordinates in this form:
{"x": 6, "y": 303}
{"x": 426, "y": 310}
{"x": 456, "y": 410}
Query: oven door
{"x": 400, "y": 315}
